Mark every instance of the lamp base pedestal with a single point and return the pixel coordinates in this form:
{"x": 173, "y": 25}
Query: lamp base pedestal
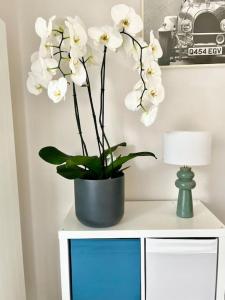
{"x": 185, "y": 183}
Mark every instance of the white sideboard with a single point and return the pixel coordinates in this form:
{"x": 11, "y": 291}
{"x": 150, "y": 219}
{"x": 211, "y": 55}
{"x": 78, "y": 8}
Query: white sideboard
{"x": 150, "y": 239}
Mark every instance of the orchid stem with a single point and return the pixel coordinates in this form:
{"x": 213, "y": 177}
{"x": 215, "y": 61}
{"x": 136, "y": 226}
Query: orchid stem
{"x": 76, "y": 108}
{"x": 141, "y": 65}
{"x": 102, "y": 113}
{"x": 77, "y": 116}
{"x": 92, "y": 108}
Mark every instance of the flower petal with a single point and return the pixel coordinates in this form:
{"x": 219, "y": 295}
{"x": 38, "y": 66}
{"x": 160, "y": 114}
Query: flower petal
{"x": 41, "y": 27}
{"x": 139, "y": 85}
{"x": 49, "y": 28}
{"x": 149, "y": 117}
{"x": 115, "y": 40}
{"x": 57, "y": 89}
{"x": 132, "y": 100}
{"x": 78, "y": 76}
{"x": 106, "y": 36}
{"x": 119, "y": 12}
{"x": 126, "y": 18}
{"x": 93, "y": 55}
{"x": 52, "y": 65}
{"x": 34, "y": 56}
{"x": 39, "y": 69}
{"x": 136, "y": 23}
{"x": 156, "y": 94}
{"x": 152, "y": 73}
{"x": 77, "y": 32}
{"x": 95, "y": 33}
{"x": 155, "y": 46}
{"x": 77, "y": 52}
{"x": 34, "y": 86}
{"x": 43, "y": 50}
{"x": 37, "y": 66}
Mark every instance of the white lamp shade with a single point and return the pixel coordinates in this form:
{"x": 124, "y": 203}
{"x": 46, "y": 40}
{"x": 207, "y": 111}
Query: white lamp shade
{"x": 187, "y": 148}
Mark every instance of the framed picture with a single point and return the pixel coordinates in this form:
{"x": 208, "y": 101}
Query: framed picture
{"x": 190, "y": 31}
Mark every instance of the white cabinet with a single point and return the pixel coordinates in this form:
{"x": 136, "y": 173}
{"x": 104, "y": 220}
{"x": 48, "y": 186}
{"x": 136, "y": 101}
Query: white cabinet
{"x": 181, "y": 269}
{"x": 150, "y": 255}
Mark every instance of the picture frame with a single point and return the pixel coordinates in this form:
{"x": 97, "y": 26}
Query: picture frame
{"x": 191, "y": 32}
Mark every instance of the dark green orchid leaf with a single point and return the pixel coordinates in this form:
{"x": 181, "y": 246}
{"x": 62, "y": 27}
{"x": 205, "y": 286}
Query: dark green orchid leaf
{"x": 91, "y": 163}
{"x": 87, "y": 167}
{"x": 70, "y": 172}
{"x": 124, "y": 169}
{"x": 113, "y": 148}
{"x": 117, "y": 164}
{"x": 53, "y": 156}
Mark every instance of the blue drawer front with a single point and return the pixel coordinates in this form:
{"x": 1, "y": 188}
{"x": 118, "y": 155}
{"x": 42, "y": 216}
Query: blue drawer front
{"x": 105, "y": 269}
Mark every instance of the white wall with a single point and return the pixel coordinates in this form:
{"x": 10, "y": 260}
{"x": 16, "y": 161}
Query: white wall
{"x": 12, "y": 284}
{"x": 194, "y": 100}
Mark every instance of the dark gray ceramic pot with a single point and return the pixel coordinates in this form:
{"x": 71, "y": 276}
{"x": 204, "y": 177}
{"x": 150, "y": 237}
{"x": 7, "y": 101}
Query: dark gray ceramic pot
{"x": 99, "y": 203}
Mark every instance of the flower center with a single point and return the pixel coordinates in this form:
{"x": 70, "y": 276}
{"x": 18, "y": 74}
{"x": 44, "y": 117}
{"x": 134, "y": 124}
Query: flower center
{"x": 150, "y": 71}
{"x": 153, "y": 93}
{"x": 76, "y": 40}
{"x": 75, "y": 62}
{"x": 57, "y": 93}
{"x": 104, "y": 38}
{"x": 61, "y": 28}
{"x": 153, "y": 48}
{"x": 125, "y": 23}
{"x": 91, "y": 58}
{"x": 38, "y": 87}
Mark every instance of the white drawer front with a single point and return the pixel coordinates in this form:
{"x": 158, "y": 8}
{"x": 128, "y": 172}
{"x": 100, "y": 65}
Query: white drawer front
{"x": 181, "y": 269}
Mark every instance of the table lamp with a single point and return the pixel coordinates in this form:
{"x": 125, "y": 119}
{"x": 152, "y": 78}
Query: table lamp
{"x": 186, "y": 149}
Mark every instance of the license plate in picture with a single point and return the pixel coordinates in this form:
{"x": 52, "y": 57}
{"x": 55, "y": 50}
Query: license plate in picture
{"x": 205, "y": 51}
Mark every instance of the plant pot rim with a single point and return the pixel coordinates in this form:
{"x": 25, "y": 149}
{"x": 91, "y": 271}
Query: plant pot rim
{"x": 101, "y": 180}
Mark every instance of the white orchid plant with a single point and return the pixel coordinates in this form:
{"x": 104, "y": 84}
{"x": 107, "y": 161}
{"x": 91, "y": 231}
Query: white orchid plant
{"x": 66, "y": 52}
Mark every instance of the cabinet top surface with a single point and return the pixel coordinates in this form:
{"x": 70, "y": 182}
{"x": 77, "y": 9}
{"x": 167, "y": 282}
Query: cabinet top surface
{"x": 151, "y": 217}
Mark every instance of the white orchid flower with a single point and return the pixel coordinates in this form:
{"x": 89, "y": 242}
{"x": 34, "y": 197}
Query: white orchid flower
{"x": 155, "y": 94}
{"x": 155, "y": 47}
{"x": 65, "y": 44}
{"x": 44, "y": 68}
{"x": 129, "y": 46}
{"x": 132, "y": 48}
{"x": 44, "y": 31}
{"x": 106, "y": 36}
{"x": 126, "y": 18}
{"x": 132, "y": 100}
{"x": 46, "y": 49}
{"x": 139, "y": 85}
{"x": 152, "y": 72}
{"x": 93, "y": 56}
{"x": 34, "y": 84}
{"x": 149, "y": 117}
{"x": 77, "y": 52}
{"x": 57, "y": 89}
{"x": 51, "y": 65}
{"x": 78, "y": 76}
{"x": 42, "y": 28}
{"x": 59, "y": 27}
{"x": 77, "y": 36}
{"x": 34, "y": 57}
{"x": 38, "y": 68}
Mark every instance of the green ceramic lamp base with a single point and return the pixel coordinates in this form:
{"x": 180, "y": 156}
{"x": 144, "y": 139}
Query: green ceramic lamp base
{"x": 185, "y": 183}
